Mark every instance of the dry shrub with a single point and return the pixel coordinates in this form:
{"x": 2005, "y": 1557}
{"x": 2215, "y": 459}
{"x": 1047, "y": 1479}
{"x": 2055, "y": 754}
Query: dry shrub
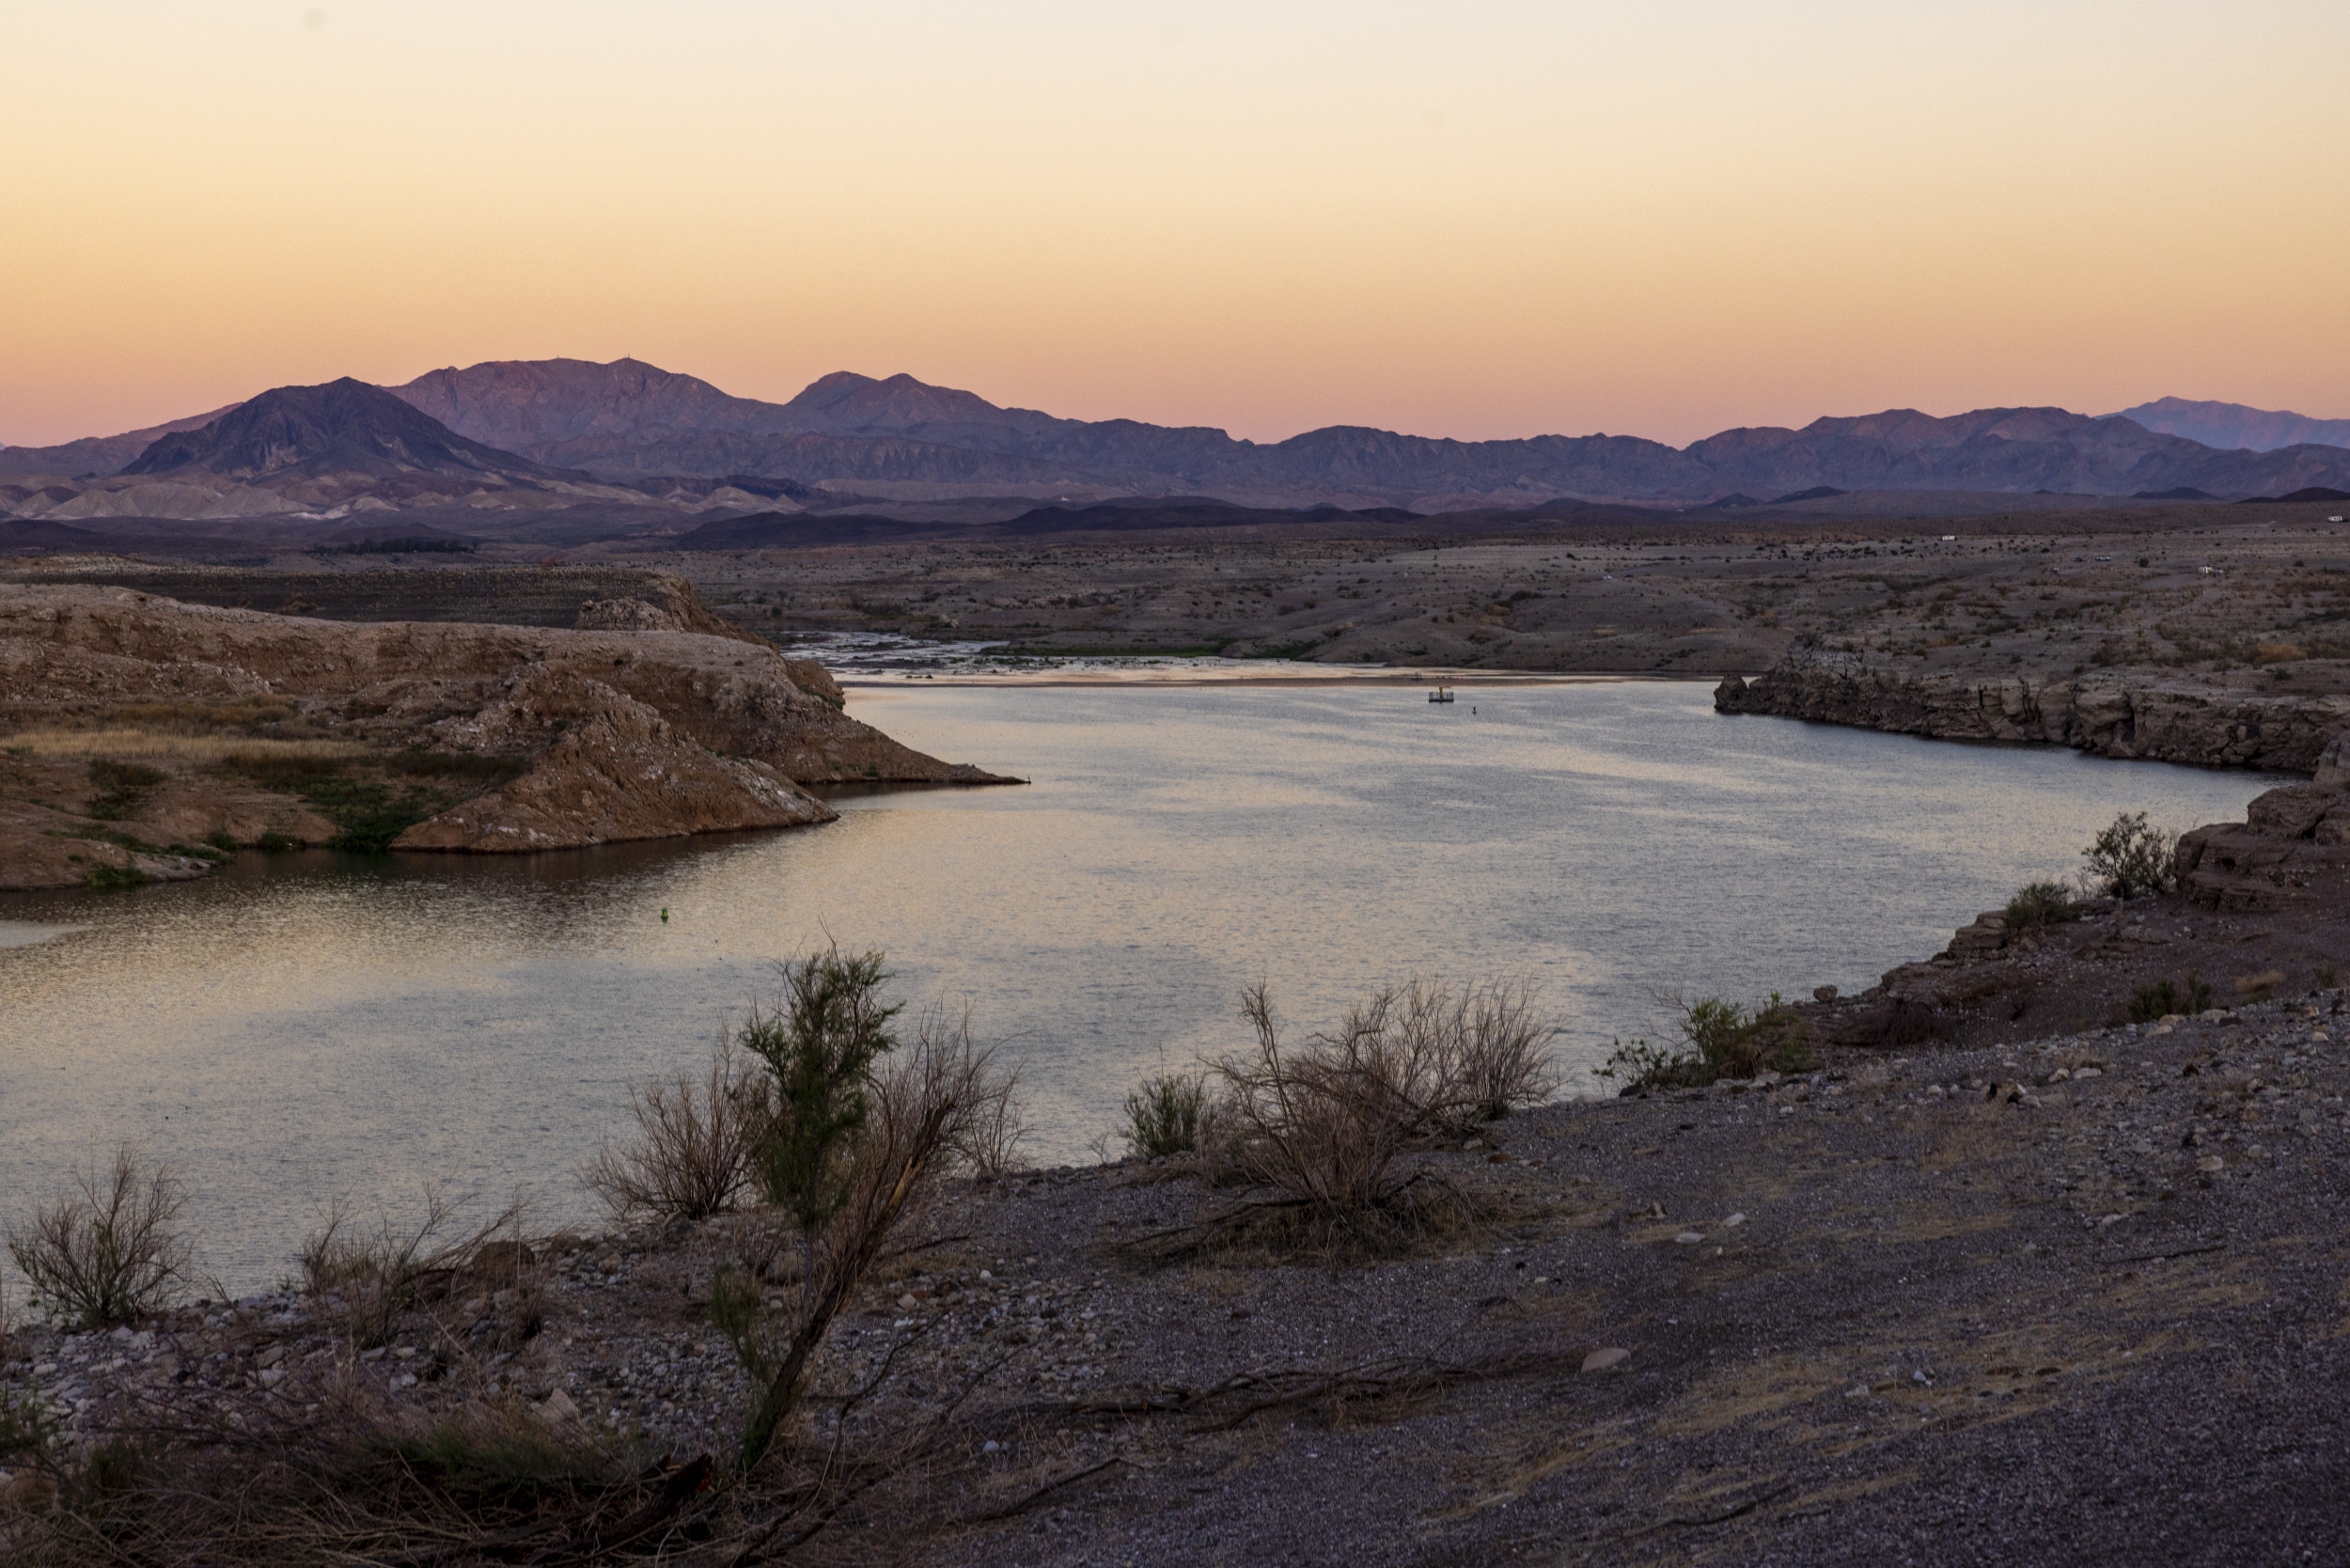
{"x": 108, "y": 1251}
{"x": 375, "y": 1275}
{"x": 989, "y": 1133}
{"x": 2260, "y": 986}
{"x": 2279, "y": 654}
{"x": 338, "y": 1486}
{"x": 168, "y": 744}
{"x": 690, "y": 1156}
{"x": 1325, "y": 1124}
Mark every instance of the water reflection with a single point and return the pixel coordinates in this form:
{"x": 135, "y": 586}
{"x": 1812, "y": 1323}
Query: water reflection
{"x": 312, "y": 1025}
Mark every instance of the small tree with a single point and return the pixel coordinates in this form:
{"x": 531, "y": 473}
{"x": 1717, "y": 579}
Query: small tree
{"x": 108, "y": 1251}
{"x": 818, "y": 1041}
{"x": 2130, "y": 860}
{"x": 848, "y": 1145}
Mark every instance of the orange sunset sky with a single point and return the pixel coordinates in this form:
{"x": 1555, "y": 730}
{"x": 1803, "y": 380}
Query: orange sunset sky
{"x": 1455, "y": 219}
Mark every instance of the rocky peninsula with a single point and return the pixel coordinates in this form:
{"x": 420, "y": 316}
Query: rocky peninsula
{"x": 147, "y": 737}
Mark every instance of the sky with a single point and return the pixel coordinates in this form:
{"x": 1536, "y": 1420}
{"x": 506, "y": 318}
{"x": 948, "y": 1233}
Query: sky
{"x": 1652, "y": 217}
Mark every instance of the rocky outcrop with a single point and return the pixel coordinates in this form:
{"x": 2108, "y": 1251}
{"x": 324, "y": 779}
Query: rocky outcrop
{"x": 617, "y": 771}
{"x": 2149, "y": 717}
{"x": 2259, "y": 907}
{"x": 619, "y": 734}
{"x": 49, "y": 838}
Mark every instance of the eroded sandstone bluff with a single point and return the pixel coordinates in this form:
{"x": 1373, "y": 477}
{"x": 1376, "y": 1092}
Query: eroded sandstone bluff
{"x": 624, "y": 728}
{"x": 2148, "y": 716}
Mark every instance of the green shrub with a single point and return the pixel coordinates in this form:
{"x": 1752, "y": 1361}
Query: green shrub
{"x": 1165, "y": 1115}
{"x": 2130, "y": 860}
{"x": 1719, "y": 1039}
{"x": 121, "y": 788}
{"x": 2040, "y": 903}
{"x": 2152, "y": 1002}
{"x": 276, "y": 767}
{"x": 107, "y": 878}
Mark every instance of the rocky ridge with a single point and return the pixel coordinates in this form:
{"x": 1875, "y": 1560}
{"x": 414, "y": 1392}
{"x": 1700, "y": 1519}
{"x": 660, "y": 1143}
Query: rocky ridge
{"x": 2151, "y": 717}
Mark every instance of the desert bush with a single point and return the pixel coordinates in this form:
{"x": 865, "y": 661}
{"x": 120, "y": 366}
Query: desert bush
{"x": 1717, "y": 1040}
{"x": 2040, "y": 903}
{"x": 478, "y": 767}
{"x": 2129, "y": 859}
{"x": 2158, "y": 1000}
{"x": 105, "y": 877}
{"x": 989, "y": 1134}
{"x": 121, "y": 787}
{"x": 1326, "y": 1122}
{"x": 373, "y": 1275}
{"x": 1166, "y": 1114}
{"x": 109, "y": 1250}
{"x": 690, "y": 1156}
{"x": 818, "y": 1041}
{"x": 2260, "y": 986}
{"x": 852, "y": 1144}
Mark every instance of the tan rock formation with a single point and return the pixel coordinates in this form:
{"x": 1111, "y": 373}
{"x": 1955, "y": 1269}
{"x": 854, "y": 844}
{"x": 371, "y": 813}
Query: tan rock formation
{"x": 619, "y": 771}
{"x": 628, "y": 734}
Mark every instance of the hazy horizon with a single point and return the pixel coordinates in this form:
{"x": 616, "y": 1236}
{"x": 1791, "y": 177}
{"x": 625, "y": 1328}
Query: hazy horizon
{"x": 1488, "y": 221}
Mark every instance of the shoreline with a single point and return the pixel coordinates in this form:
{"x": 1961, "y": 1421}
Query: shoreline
{"x": 1932, "y": 1304}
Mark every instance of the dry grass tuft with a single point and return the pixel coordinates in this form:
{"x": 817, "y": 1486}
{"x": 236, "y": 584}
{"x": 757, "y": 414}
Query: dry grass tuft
{"x": 372, "y": 1276}
{"x": 193, "y": 749}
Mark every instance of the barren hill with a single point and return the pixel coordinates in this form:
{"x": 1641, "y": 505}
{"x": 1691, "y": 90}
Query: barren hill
{"x": 345, "y": 430}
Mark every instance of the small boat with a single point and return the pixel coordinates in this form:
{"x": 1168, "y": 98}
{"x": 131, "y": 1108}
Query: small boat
{"x": 1441, "y": 694}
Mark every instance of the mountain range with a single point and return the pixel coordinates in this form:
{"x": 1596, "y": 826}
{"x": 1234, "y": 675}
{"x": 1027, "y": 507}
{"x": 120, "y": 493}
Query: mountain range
{"x": 563, "y": 426}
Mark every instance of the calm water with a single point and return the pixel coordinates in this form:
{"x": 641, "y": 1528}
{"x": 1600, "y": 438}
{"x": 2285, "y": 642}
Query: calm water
{"x": 313, "y": 1026}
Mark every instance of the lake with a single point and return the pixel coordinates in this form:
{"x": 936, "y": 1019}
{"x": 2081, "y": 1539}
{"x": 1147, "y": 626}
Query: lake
{"x": 310, "y": 1026}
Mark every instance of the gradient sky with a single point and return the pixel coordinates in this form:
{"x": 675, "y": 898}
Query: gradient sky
{"x": 1659, "y": 218}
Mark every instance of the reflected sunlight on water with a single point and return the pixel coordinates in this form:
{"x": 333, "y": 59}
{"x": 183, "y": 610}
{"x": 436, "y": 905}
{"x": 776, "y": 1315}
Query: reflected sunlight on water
{"x": 314, "y": 1025}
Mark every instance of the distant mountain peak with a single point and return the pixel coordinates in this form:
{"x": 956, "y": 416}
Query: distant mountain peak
{"x": 338, "y": 427}
{"x": 2236, "y": 427}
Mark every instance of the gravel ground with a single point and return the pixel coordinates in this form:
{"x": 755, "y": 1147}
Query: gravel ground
{"x": 2080, "y": 1300}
